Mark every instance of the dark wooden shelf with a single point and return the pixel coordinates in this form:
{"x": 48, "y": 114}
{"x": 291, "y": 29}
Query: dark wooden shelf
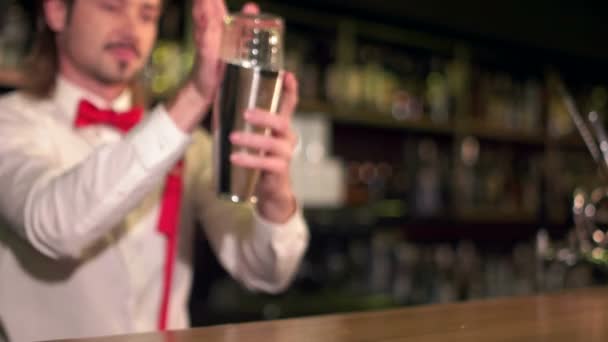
{"x": 374, "y": 119}
{"x": 371, "y": 118}
{"x": 395, "y": 213}
{"x": 486, "y": 225}
{"x": 571, "y": 141}
{"x": 492, "y": 133}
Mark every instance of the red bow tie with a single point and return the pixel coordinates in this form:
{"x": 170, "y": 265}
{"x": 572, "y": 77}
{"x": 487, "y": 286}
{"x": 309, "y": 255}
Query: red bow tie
{"x": 88, "y": 114}
{"x": 168, "y": 221}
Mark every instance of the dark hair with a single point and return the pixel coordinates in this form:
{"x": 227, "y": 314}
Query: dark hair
{"x": 42, "y": 64}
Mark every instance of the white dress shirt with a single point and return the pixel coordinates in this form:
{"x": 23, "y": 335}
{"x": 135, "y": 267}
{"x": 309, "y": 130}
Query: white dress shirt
{"x": 80, "y": 254}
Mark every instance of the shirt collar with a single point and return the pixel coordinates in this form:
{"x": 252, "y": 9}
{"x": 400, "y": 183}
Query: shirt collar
{"x": 68, "y": 96}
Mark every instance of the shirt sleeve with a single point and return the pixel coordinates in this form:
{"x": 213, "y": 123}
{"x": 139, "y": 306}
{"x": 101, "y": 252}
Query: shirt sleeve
{"x": 63, "y": 210}
{"x": 262, "y": 255}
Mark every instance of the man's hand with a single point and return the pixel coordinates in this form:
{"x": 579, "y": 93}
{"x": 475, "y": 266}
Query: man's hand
{"x": 194, "y": 99}
{"x": 276, "y": 200}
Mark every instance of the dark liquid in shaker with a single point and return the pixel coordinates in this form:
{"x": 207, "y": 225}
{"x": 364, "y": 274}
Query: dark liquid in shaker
{"x": 243, "y": 88}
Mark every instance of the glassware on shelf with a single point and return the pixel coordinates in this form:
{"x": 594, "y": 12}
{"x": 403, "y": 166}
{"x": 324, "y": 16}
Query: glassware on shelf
{"x": 587, "y": 241}
{"x": 13, "y": 36}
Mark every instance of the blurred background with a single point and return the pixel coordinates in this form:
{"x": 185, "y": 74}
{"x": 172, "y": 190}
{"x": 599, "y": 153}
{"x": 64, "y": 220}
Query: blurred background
{"x": 437, "y": 159}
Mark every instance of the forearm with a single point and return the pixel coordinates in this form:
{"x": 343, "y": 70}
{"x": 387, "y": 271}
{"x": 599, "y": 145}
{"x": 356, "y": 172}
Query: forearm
{"x": 261, "y": 254}
{"x": 277, "y": 209}
{"x": 187, "y": 108}
{"x": 286, "y": 243}
{"x": 64, "y": 215}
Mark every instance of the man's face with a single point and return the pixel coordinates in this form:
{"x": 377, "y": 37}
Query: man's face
{"x": 110, "y": 40}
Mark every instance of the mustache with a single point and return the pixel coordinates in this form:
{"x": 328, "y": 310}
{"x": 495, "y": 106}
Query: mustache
{"x": 123, "y": 45}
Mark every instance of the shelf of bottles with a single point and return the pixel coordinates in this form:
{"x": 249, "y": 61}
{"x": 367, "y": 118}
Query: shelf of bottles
{"x": 440, "y": 136}
{"x": 426, "y": 176}
{"x": 387, "y": 271}
{"x": 425, "y": 173}
{"x": 14, "y": 34}
{"x": 396, "y": 133}
{"x": 407, "y": 133}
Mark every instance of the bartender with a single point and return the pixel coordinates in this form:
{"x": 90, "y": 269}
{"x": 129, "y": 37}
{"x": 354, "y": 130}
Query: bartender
{"x": 99, "y": 197}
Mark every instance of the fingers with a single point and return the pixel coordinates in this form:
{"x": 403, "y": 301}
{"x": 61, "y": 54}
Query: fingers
{"x": 217, "y": 8}
{"x": 274, "y": 165}
{"x": 279, "y": 124}
{"x": 272, "y": 146}
{"x": 208, "y": 17}
{"x": 220, "y": 9}
{"x": 276, "y": 149}
{"x": 208, "y": 20}
{"x": 202, "y": 13}
{"x": 290, "y": 97}
{"x": 251, "y": 8}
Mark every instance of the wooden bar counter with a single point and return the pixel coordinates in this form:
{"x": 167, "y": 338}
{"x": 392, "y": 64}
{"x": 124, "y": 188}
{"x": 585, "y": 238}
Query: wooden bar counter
{"x": 580, "y": 315}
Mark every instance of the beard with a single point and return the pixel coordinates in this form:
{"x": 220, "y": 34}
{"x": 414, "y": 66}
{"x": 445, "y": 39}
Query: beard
{"x": 121, "y": 72}
{"x": 104, "y": 67}
{"x": 111, "y": 72}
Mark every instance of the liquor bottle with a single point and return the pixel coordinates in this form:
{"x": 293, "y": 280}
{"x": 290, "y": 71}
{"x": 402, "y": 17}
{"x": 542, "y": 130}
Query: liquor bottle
{"x": 437, "y": 94}
{"x": 13, "y": 37}
{"x": 428, "y": 179}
